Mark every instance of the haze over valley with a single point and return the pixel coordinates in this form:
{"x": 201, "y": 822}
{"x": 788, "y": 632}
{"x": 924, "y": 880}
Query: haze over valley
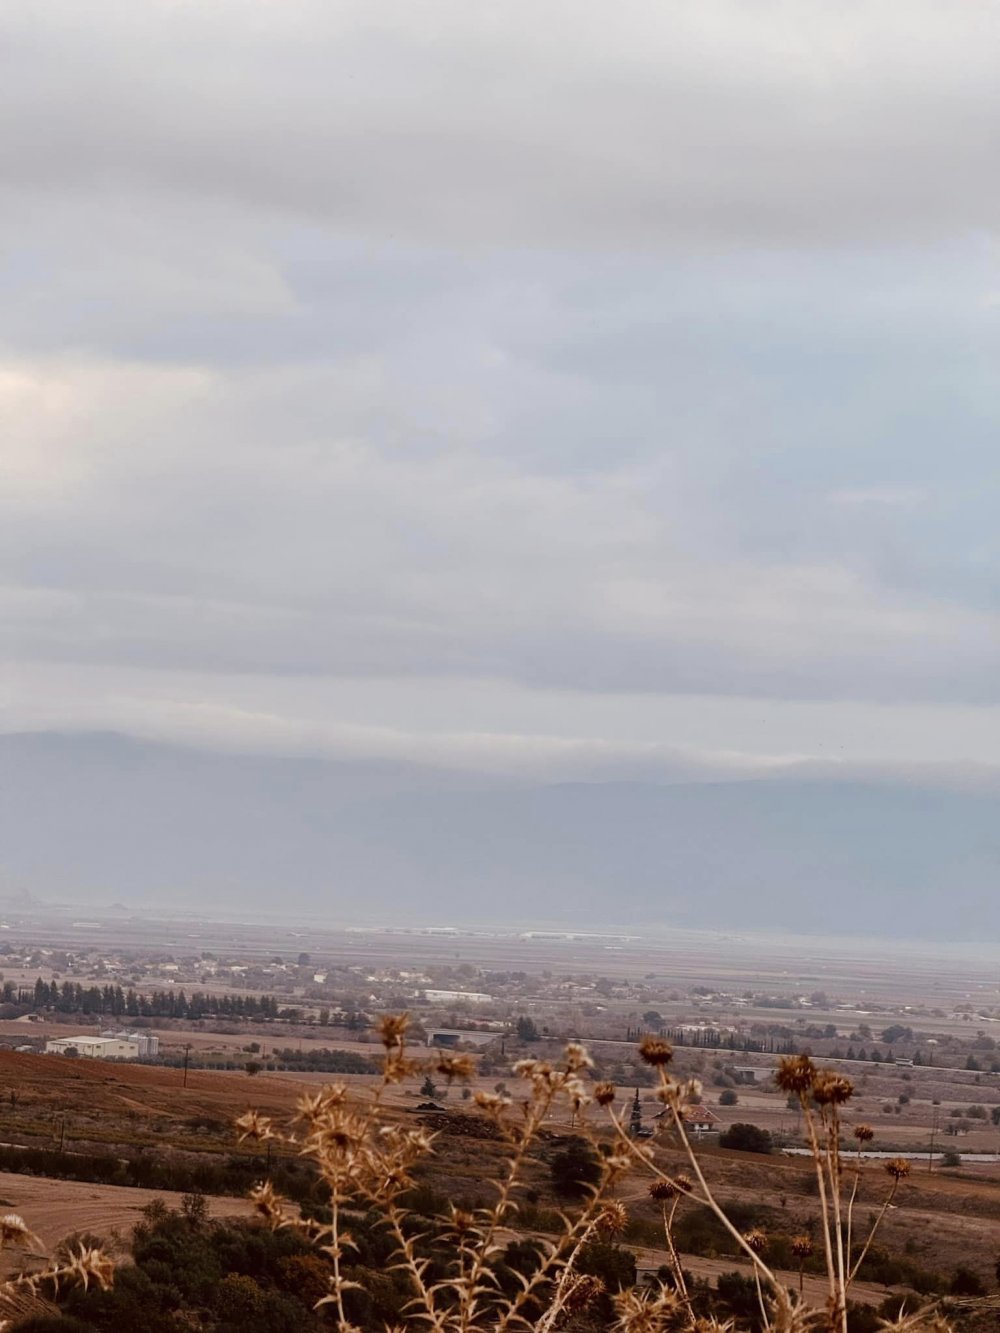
{"x": 92, "y": 819}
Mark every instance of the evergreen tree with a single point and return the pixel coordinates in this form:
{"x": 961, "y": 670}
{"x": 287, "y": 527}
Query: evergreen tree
{"x": 635, "y": 1119}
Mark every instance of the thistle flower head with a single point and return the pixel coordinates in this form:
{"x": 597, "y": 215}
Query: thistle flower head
{"x": 269, "y": 1204}
{"x": 314, "y": 1106}
{"x": 612, "y": 1219}
{"x": 253, "y": 1125}
{"x": 661, "y": 1190}
{"x": 604, "y": 1094}
{"x": 795, "y": 1073}
{"x": 897, "y": 1167}
{"x": 655, "y": 1051}
{"x": 830, "y": 1089}
{"x": 392, "y": 1029}
{"x": 582, "y": 1289}
{"x": 455, "y": 1066}
{"x": 463, "y": 1223}
{"x": 646, "y": 1311}
{"x": 493, "y": 1103}
{"x": 15, "y": 1231}
{"x": 577, "y": 1058}
{"x": 864, "y": 1133}
{"x": 756, "y": 1239}
{"x": 802, "y": 1246}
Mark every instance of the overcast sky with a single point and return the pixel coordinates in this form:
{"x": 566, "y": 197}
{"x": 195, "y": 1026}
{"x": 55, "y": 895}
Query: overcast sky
{"x": 565, "y": 388}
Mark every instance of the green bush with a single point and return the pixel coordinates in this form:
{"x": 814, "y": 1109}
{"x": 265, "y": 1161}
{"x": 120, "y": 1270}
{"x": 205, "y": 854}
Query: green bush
{"x": 232, "y": 1277}
{"x": 575, "y": 1169}
{"x": 613, "y": 1265}
{"x": 747, "y": 1138}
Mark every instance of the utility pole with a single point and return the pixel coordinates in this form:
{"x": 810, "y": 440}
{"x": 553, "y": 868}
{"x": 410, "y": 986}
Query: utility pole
{"x": 187, "y": 1052}
{"x": 930, "y": 1155}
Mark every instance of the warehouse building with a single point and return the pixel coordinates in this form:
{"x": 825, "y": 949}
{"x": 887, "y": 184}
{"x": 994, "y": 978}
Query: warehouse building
{"x": 95, "y": 1048}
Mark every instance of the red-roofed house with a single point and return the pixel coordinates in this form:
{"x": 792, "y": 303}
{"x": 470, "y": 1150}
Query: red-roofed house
{"x": 700, "y": 1119}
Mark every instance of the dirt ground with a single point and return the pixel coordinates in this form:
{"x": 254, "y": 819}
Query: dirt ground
{"x": 56, "y": 1209}
{"x": 92, "y": 1086}
{"x": 814, "y": 1289}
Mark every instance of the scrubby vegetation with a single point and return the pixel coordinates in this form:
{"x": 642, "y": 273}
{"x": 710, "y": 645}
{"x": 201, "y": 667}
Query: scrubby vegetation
{"x": 188, "y": 1271}
{"x": 747, "y": 1138}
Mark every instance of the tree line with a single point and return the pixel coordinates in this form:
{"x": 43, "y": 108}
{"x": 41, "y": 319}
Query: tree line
{"x": 713, "y": 1040}
{"x": 114, "y": 1002}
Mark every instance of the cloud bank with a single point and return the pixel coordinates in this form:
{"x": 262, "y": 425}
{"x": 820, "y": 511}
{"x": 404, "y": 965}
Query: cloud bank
{"x": 544, "y": 355}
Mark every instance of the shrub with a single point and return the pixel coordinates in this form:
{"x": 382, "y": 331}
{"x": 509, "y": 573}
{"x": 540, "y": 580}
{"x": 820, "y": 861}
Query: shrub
{"x": 613, "y": 1265}
{"x": 575, "y": 1169}
{"x": 965, "y": 1282}
{"x": 737, "y": 1298}
{"x": 747, "y": 1138}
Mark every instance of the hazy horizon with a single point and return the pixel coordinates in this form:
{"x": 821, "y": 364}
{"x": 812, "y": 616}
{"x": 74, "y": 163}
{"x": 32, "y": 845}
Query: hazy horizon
{"x": 104, "y": 818}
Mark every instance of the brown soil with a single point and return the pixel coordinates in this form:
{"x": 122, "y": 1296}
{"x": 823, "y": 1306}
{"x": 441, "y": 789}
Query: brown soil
{"x": 55, "y": 1209}
{"x": 48, "y": 1082}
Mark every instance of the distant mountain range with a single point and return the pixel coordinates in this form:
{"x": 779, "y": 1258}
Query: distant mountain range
{"x": 95, "y": 818}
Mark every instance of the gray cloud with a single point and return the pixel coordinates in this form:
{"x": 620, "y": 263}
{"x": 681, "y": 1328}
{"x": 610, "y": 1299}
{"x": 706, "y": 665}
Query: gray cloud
{"x": 654, "y": 357}
{"x": 267, "y": 520}
{"x": 771, "y": 124}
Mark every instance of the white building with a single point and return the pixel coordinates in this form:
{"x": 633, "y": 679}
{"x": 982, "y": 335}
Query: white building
{"x": 146, "y": 1042}
{"x": 95, "y": 1048}
{"x": 456, "y": 996}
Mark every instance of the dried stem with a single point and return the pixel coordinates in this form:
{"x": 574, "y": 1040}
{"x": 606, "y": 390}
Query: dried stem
{"x": 817, "y": 1154}
{"x": 675, "y": 1261}
{"x": 875, "y": 1226}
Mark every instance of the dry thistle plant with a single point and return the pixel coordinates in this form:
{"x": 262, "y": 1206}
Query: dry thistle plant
{"x": 81, "y": 1265}
{"x": 367, "y": 1159}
